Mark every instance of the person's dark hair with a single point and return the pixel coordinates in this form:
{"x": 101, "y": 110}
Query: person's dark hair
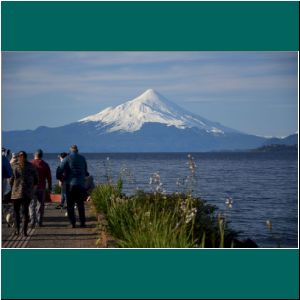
{"x": 39, "y": 153}
{"x": 22, "y": 158}
{"x": 22, "y": 153}
{"x": 63, "y": 154}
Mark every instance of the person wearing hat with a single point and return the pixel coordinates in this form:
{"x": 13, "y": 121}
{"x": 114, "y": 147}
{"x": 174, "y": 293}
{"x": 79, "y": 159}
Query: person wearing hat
{"x": 23, "y": 181}
{"x": 74, "y": 170}
{"x": 37, "y": 205}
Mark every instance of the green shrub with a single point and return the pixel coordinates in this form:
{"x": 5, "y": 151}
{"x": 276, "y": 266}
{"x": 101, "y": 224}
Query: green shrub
{"x": 102, "y": 196}
{"x": 156, "y": 220}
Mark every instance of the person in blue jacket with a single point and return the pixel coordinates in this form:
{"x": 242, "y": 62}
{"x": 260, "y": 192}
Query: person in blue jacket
{"x": 73, "y": 169}
{"x": 6, "y": 171}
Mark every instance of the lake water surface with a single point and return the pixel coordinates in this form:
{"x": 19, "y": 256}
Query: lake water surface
{"x": 263, "y": 186}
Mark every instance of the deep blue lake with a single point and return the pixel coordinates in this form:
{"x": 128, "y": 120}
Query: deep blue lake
{"x": 263, "y": 186}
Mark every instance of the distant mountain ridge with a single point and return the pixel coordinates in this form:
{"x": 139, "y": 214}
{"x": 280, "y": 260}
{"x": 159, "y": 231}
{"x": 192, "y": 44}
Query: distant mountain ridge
{"x": 289, "y": 140}
{"x": 148, "y": 123}
{"x": 280, "y": 148}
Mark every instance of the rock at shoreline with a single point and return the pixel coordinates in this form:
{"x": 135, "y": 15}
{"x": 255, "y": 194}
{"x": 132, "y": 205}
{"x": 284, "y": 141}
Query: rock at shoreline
{"x": 248, "y": 243}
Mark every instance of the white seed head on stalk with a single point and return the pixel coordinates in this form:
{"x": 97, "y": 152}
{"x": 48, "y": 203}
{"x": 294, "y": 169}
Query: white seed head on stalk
{"x": 155, "y": 182}
{"x": 229, "y": 202}
{"x": 269, "y": 224}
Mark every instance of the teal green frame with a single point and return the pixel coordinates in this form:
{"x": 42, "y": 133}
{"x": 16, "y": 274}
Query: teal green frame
{"x": 150, "y": 273}
{"x": 161, "y": 26}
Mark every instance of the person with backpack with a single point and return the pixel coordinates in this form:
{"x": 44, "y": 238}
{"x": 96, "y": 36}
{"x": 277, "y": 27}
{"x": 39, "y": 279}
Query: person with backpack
{"x": 74, "y": 170}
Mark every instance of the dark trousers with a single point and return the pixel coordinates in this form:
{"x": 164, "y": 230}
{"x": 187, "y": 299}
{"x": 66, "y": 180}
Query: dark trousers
{"x": 75, "y": 194}
{"x": 24, "y": 204}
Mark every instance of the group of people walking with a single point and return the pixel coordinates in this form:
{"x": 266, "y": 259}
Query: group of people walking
{"x": 29, "y": 181}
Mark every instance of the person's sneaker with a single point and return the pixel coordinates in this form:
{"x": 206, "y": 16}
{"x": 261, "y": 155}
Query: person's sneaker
{"x": 59, "y": 206}
{"x": 25, "y": 234}
{"x": 17, "y": 233}
{"x": 72, "y": 226}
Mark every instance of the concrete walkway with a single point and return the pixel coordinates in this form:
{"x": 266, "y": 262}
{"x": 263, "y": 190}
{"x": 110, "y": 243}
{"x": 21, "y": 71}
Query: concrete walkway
{"x": 56, "y": 232}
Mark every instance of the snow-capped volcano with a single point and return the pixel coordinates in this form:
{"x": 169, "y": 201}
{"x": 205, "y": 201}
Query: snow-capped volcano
{"x": 148, "y": 123}
{"x": 151, "y": 107}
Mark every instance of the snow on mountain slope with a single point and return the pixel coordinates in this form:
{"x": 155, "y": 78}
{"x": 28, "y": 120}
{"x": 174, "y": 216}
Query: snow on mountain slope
{"x": 155, "y": 108}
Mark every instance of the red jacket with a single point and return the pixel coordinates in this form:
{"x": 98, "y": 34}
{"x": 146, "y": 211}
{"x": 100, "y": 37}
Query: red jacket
{"x": 44, "y": 173}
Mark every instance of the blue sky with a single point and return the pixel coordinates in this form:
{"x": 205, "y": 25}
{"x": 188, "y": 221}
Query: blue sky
{"x": 254, "y": 92}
